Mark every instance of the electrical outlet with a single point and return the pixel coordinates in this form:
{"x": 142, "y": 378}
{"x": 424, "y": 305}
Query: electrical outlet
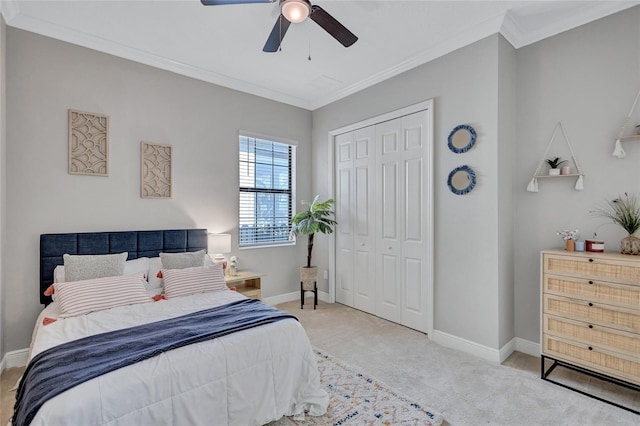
{"x": 326, "y": 274}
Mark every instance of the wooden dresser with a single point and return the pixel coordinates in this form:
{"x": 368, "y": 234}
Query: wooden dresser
{"x": 591, "y": 313}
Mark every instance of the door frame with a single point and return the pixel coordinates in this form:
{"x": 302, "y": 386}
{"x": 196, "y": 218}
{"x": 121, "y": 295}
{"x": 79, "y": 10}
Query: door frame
{"x": 421, "y": 106}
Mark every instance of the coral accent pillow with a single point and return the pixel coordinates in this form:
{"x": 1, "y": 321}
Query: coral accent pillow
{"x": 82, "y": 297}
{"x": 200, "y": 279}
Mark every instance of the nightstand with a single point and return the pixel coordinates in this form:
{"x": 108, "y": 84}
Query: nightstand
{"x": 245, "y": 282}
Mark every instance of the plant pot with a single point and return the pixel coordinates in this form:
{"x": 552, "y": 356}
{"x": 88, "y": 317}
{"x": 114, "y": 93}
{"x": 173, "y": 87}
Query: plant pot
{"x": 630, "y": 245}
{"x": 308, "y": 276}
{"x": 554, "y": 172}
{"x": 570, "y": 245}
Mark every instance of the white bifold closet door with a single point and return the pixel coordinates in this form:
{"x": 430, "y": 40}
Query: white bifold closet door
{"x": 355, "y": 204}
{"x": 382, "y": 238}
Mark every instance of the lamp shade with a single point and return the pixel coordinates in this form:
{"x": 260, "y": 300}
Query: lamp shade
{"x": 218, "y": 243}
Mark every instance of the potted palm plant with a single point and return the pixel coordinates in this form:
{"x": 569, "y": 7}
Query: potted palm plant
{"x": 554, "y": 165}
{"x": 625, "y": 211}
{"x": 316, "y": 218}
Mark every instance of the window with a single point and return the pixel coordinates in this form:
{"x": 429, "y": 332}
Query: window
{"x": 267, "y": 176}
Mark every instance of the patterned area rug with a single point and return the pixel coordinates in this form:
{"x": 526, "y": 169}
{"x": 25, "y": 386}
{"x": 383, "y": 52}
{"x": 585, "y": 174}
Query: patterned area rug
{"x": 358, "y": 399}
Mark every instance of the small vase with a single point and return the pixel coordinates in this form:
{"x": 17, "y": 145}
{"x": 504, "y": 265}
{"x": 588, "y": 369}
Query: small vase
{"x": 571, "y": 245}
{"x": 630, "y": 245}
{"x": 554, "y": 172}
{"x": 233, "y": 271}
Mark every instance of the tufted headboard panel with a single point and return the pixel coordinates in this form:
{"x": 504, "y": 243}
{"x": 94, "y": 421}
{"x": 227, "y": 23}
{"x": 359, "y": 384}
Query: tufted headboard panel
{"x": 136, "y": 243}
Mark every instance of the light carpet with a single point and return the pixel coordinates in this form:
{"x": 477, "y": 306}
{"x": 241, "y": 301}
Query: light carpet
{"x": 356, "y": 398}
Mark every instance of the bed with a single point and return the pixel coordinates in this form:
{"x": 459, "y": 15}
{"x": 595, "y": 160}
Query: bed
{"x": 247, "y": 377}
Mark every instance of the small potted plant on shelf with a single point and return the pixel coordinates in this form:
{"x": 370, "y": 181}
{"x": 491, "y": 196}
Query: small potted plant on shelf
{"x": 554, "y": 165}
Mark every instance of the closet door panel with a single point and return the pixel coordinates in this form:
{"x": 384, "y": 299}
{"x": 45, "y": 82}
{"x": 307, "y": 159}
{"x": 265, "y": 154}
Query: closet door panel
{"x": 344, "y": 153}
{"x": 363, "y": 202}
{"x": 415, "y": 234}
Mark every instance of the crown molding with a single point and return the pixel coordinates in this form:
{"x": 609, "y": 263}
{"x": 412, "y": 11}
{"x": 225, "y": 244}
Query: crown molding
{"x": 505, "y": 24}
{"x": 485, "y": 29}
{"x": 100, "y": 44}
{"x": 518, "y": 37}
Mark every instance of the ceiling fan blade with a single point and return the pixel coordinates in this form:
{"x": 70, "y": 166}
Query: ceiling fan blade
{"x": 332, "y": 26}
{"x": 277, "y": 34}
{"x": 223, "y": 2}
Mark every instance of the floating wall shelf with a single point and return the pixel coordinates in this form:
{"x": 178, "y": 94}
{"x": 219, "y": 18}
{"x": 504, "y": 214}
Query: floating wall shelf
{"x": 533, "y": 185}
{"x": 618, "y": 151}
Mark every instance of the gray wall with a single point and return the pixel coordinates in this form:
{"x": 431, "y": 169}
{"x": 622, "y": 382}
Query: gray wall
{"x": 464, "y": 86}
{"x": 2, "y": 179}
{"x": 45, "y": 78}
{"x": 506, "y": 190}
{"x": 587, "y": 78}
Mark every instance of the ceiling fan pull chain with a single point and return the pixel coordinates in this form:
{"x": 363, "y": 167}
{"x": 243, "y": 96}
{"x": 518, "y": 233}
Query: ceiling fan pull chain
{"x": 309, "y": 58}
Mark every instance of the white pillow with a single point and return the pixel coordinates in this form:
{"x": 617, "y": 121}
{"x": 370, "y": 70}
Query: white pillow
{"x": 58, "y": 274}
{"x": 85, "y": 267}
{"x": 82, "y": 297}
{"x": 137, "y": 266}
{"x": 131, "y": 267}
{"x": 155, "y": 283}
{"x": 199, "y": 279}
{"x": 182, "y": 260}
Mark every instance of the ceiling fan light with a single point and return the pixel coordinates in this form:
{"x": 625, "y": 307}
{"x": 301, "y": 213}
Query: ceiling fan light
{"x": 295, "y": 11}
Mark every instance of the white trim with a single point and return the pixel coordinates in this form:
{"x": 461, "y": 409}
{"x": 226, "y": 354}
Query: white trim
{"x": 527, "y": 347}
{"x": 506, "y": 350}
{"x": 467, "y": 346}
{"x": 290, "y": 297}
{"x": 15, "y": 359}
{"x": 266, "y": 137}
{"x": 411, "y": 109}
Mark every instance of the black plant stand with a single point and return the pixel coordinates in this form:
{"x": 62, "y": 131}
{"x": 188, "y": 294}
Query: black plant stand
{"x": 315, "y": 295}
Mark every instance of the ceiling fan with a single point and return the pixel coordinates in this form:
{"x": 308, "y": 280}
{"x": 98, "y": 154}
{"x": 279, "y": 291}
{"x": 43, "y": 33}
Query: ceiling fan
{"x": 296, "y": 11}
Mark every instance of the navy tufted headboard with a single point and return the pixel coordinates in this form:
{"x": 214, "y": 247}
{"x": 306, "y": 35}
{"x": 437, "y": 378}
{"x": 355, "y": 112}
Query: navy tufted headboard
{"x": 136, "y": 243}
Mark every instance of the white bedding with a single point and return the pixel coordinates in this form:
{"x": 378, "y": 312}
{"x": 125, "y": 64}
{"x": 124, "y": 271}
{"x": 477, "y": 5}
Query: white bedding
{"x": 247, "y": 378}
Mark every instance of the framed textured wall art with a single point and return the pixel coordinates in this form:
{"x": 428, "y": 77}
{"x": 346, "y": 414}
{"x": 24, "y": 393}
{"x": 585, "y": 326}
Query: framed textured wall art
{"x": 88, "y": 143}
{"x": 155, "y": 165}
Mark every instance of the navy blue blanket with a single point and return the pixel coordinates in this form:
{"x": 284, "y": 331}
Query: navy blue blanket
{"x": 62, "y": 367}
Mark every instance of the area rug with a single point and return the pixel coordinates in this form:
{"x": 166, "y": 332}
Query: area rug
{"x": 356, "y": 398}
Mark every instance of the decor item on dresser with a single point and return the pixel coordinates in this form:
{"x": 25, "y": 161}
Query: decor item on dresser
{"x": 461, "y": 139}
{"x": 88, "y": 143}
{"x": 591, "y": 317}
{"x": 155, "y": 170}
{"x": 569, "y": 238}
{"x": 316, "y": 218}
{"x": 618, "y": 151}
{"x": 461, "y": 180}
{"x": 624, "y": 211}
{"x": 553, "y": 163}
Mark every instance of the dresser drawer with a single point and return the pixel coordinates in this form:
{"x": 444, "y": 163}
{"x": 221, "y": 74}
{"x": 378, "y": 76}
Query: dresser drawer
{"x": 593, "y": 358}
{"x": 592, "y": 312}
{"x": 615, "y": 340}
{"x": 608, "y": 268}
{"x": 586, "y": 289}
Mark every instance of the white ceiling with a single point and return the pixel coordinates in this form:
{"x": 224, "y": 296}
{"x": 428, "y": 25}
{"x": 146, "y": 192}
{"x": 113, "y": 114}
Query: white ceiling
{"x": 223, "y": 44}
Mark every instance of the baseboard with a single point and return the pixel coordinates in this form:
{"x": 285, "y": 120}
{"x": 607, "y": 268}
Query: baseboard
{"x": 467, "y": 346}
{"x": 289, "y": 297}
{"x": 527, "y": 347}
{"x": 507, "y": 350}
{"x": 14, "y": 359}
